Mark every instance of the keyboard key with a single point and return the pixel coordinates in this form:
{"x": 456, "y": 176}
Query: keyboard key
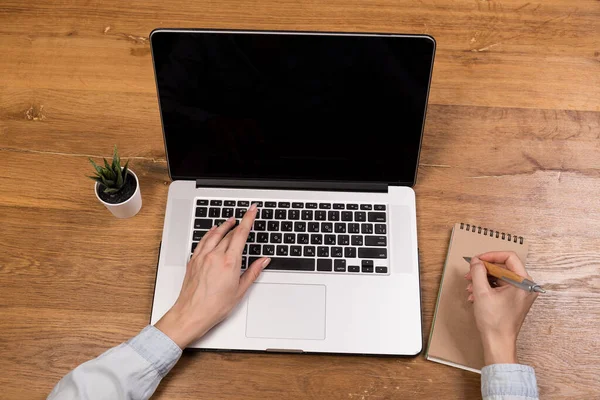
{"x": 284, "y": 204}
{"x": 353, "y": 228}
{"x": 227, "y": 212}
{"x": 282, "y": 250}
{"x": 219, "y": 222}
{"x": 260, "y": 225}
{"x": 346, "y": 215}
{"x": 343, "y": 240}
{"x": 316, "y": 238}
{"x": 198, "y": 235}
{"x": 303, "y": 238}
{"x": 243, "y": 203}
{"x": 201, "y": 212}
{"x": 309, "y": 251}
{"x": 320, "y": 215}
{"x": 367, "y": 263}
{"x": 353, "y": 268}
{"x": 372, "y": 252}
{"x": 273, "y": 226}
{"x": 244, "y": 260}
{"x": 216, "y": 203}
{"x": 202, "y": 202}
{"x": 380, "y": 207}
{"x": 257, "y": 202}
{"x": 330, "y": 239}
{"x": 229, "y": 203}
{"x": 214, "y": 212}
{"x": 255, "y": 249}
{"x": 380, "y": 229}
{"x": 375, "y": 241}
{"x": 356, "y": 240}
{"x": 326, "y": 227}
{"x": 276, "y": 238}
{"x": 203, "y": 223}
{"x": 377, "y": 217}
{"x": 360, "y": 216}
{"x": 299, "y": 226}
{"x": 270, "y": 204}
{"x": 268, "y": 250}
{"x": 339, "y": 265}
{"x": 351, "y": 206}
{"x": 324, "y": 264}
{"x": 350, "y": 252}
{"x": 381, "y": 270}
{"x": 307, "y": 215}
{"x": 280, "y": 214}
{"x": 297, "y": 205}
{"x": 366, "y": 207}
{"x": 323, "y": 251}
{"x": 366, "y": 228}
{"x": 194, "y": 244}
{"x": 338, "y": 206}
{"x": 287, "y": 226}
{"x": 340, "y": 227}
{"x": 267, "y": 213}
{"x": 313, "y": 227}
{"x": 251, "y": 237}
{"x": 337, "y": 252}
{"x": 294, "y": 215}
{"x": 245, "y": 251}
{"x": 324, "y": 206}
{"x": 296, "y": 251}
{"x": 367, "y": 269}
{"x": 333, "y": 216}
{"x": 289, "y": 238}
{"x": 262, "y": 237}
{"x": 239, "y": 212}
{"x": 311, "y": 205}
{"x": 289, "y": 263}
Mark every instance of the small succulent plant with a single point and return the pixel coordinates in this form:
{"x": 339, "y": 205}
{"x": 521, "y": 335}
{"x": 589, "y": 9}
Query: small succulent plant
{"x": 111, "y": 175}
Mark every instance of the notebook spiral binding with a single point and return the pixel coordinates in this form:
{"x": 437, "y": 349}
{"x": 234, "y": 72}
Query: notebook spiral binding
{"x": 492, "y": 233}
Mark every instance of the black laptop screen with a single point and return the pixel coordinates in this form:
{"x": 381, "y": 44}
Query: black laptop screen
{"x": 292, "y": 106}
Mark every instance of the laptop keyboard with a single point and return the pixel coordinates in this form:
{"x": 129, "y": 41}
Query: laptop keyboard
{"x": 306, "y": 236}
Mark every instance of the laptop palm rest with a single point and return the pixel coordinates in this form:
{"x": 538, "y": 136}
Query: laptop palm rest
{"x": 286, "y": 311}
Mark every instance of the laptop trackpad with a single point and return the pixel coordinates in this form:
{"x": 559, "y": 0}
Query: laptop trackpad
{"x": 285, "y": 311}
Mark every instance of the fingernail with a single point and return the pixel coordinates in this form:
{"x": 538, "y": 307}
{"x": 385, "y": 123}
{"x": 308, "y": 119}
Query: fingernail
{"x": 266, "y": 262}
{"x": 252, "y": 207}
{"x": 467, "y": 274}
{"x": 212, "y": 228}
{"x": 230, "y": 219}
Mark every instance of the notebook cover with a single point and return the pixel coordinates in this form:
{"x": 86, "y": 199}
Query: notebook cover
{"x": 454, "y": 338}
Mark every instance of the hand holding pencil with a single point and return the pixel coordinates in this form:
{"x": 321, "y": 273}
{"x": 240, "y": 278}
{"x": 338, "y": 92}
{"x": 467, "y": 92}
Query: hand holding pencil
{"x": 499, "y": 311}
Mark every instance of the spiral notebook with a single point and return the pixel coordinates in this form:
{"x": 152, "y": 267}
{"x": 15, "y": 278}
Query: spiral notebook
{"x": 454, "y": 338}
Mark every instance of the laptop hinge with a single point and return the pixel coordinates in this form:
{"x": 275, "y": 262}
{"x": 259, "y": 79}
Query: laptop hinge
{"x": 293, "y": 185}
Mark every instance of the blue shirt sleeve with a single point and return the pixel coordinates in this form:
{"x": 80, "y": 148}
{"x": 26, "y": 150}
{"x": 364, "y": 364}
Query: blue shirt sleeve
{"x": 508, "y": 382}
{"x": 131, "y": 370}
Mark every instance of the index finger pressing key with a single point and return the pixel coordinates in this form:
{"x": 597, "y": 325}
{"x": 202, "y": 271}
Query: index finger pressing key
{"x": 240, "y": 236}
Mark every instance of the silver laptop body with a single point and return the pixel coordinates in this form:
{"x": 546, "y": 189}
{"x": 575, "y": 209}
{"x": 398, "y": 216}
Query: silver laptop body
{"x": 274, "y": 118}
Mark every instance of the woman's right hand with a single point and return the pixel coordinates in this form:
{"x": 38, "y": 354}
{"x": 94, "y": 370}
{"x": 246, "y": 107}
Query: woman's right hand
{"x": 499, "y": 311}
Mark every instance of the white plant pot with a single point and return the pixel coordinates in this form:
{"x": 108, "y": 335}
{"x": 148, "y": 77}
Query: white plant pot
{"x": 129, "y": 207}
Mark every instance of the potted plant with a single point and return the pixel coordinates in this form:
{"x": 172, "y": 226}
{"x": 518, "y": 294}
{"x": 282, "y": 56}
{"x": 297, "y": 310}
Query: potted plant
{"x": 118, "y": 188}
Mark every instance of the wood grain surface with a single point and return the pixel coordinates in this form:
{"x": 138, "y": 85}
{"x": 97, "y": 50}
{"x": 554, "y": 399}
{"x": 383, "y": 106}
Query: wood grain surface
{"x": 512, "y": 142}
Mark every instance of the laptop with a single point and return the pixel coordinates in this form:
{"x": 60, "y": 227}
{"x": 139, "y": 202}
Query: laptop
{"x": 323, "y": 132}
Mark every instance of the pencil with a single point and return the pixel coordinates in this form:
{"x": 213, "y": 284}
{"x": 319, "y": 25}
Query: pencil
{"x": 510, "y": 277}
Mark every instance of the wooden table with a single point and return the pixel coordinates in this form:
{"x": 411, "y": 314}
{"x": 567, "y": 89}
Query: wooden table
{"x": 512, "y": 141}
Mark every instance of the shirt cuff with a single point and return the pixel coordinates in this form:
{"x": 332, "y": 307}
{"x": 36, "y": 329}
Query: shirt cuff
{"x": 157, "y": 348}
{"x": 508, "y": 380}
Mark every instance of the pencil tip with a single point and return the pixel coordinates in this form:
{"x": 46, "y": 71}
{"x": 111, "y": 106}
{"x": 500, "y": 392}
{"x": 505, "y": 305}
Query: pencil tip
{"x": 538, "y": 289}
{"x": 467, "y": 259}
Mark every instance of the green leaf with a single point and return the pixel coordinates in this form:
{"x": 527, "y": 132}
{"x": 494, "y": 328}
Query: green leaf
{"x": 119, "y": 179}
{"x": 98, "y": 169}
{"x": 110, "y": 190}
{"x": 125, "y": 170}
{"x": 96, "y": 178}
{"x": 106, "y": 165}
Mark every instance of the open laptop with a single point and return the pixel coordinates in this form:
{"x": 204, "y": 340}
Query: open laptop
{"x": 323, "y": 131}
